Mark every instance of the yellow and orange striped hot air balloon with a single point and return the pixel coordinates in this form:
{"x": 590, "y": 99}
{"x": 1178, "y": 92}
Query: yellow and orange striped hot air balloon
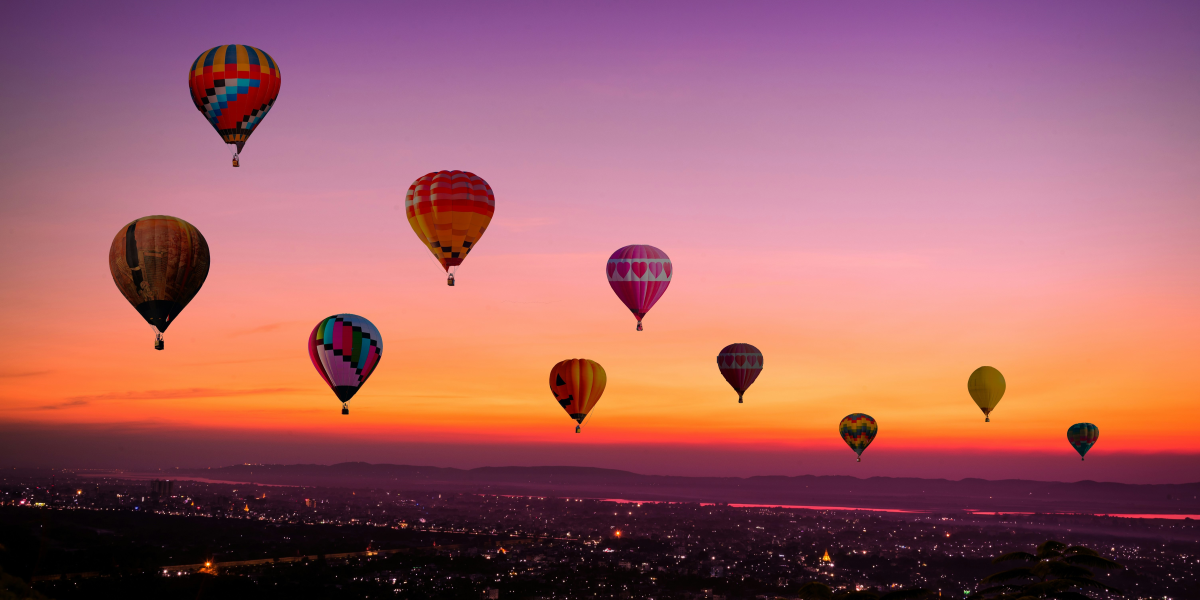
{"x": 577, "y": 384}
{"x": 449, "y": 211}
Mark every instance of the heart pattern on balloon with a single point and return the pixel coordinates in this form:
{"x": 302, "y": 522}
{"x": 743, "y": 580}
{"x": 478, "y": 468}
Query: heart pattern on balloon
{"x": 639, "y": 269}
{"x": 612, "y": 266}
{"x": 623, "y": 269}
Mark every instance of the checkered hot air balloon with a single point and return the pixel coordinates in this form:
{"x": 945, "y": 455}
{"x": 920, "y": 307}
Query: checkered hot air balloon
{"x": 234, "y": 87}
{"x": 577, "y": 384}
{"x": 1082, "y": 437}
{"x": 858, "y": 430}
{"x": 449, "y": 211}
{"x": 740, "y": 365}
{"x": 159, "y": 264}
{"x": 639, "y": 275}
{"x": 345, "y": 349}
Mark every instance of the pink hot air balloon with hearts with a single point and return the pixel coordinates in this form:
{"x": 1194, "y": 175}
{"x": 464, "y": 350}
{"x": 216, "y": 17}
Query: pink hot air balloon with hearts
{"x": 639, "y": 275}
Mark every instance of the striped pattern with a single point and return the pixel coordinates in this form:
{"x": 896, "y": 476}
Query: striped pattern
{"x": 639, "y": 275}
{"x": 740, "y": 365}
{"x": 345, "y": 349}
{"x": 858, "y": 430}
{"x": 449, "y": 211}
{"x": 577, "y": 384}
{"x": 234, "y": 86}
{"x": 159, "y": 264}
{"x": 1082, "y": 437}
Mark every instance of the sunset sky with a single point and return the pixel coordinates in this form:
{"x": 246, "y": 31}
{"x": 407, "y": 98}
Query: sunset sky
{"x": 880, "y": 196}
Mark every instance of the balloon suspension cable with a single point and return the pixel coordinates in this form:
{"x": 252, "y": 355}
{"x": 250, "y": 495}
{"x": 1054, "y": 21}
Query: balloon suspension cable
{"x": 345, "y": 409}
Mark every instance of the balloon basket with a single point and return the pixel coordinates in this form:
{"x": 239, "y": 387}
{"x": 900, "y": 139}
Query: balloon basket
{"x": 859, "y": 459}
{"x": 158, "y": 344}
{"x": 450, "y": 281}
{"x": 236, "y": 163}
{"x": 345, "y": 409}
{"x": 639, "y": 325}
{"x": 577, "y": 428}
{"x": 987, "y": 419}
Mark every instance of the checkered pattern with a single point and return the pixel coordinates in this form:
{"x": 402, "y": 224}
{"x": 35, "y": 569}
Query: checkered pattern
{"x": 858, "y": 430}
{"x": 345, "y": 349}
{"x": 234, "y": 87}
{"x": 449, "y": 211}
{"x": 1082, "y": 437}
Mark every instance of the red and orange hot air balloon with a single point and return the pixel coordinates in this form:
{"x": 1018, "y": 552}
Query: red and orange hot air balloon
{"x": 740, "y": 365}
{"x": 234, "y": 87}
{"x": 639, "y": 275}
{"x": 449, "y": 211}
{"x": 577, "y": 384}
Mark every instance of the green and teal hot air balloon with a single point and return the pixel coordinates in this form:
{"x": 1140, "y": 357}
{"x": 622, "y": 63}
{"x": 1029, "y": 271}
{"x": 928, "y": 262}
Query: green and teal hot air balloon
{"x": 858, "y": 430}
{"x": 1082, "y": 437}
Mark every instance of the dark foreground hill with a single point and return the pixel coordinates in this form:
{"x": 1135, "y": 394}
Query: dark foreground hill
{"x": 1012, "y": 495}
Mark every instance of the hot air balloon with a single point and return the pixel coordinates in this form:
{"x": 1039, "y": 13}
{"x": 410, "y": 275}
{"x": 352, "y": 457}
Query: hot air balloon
{"x": 858, "y": 430}
{"x": 159, "y": 263}
{"x": 1082, "y": 437}
{"x": 234, "y": 87}
{"x": 345, "y": 349}
{"x": 740, "y": 364}
{"x": 577, "y": 384}
{"x": 986, "y": 386}
{"x": 449, "y": 211}
{"x": 639, "y": 275}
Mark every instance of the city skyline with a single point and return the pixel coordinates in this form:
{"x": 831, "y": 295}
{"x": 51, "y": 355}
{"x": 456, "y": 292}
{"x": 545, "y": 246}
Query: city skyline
{"x": 879, "y": 200}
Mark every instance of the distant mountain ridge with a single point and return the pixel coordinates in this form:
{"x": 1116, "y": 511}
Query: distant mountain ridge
{"x": 908, "y": 493}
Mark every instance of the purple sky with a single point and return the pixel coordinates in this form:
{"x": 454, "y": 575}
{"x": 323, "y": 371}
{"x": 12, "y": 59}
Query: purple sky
{"x": 880, "y": 195}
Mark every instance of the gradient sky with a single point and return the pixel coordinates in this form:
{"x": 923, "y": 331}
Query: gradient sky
{"x": 880, "y": 196}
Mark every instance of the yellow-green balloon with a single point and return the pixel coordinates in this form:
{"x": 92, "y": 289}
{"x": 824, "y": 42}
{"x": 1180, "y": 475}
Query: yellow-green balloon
{"x": 986, "y": 386}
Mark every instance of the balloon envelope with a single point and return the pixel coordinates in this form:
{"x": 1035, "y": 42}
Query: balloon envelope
{"x": 1082, "y": 437}
{"x": 986, "y": 386}
{"x": 345, "y": 349}
{"x": 449, "y": 211}
{"x": 159, "y": 263}
{"x": 234, "y": 87}
{"x": 858, "y": 430}
{"x": 577, "y": 384}
{"x": 740, "y": 365}
{"x": 639, "y": 275}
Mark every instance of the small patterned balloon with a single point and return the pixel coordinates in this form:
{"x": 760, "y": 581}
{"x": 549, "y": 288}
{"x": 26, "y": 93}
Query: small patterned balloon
{"x": 577, "y": 384}
{"x": 740, "y": 365}
{"x": 234, "y": 87}
{"x": 1082, "y": 437}
{"x": 858, "y": 430}
{"x": 639, "y": 275}
{"x": 345, "y": 349}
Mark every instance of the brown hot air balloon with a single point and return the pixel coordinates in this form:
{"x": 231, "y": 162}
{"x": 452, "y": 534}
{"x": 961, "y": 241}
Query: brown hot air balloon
{"x": 159, "y": 263}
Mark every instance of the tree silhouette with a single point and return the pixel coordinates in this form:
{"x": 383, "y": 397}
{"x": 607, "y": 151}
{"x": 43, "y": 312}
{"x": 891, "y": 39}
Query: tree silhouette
{"x": 1057, "y": 571}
